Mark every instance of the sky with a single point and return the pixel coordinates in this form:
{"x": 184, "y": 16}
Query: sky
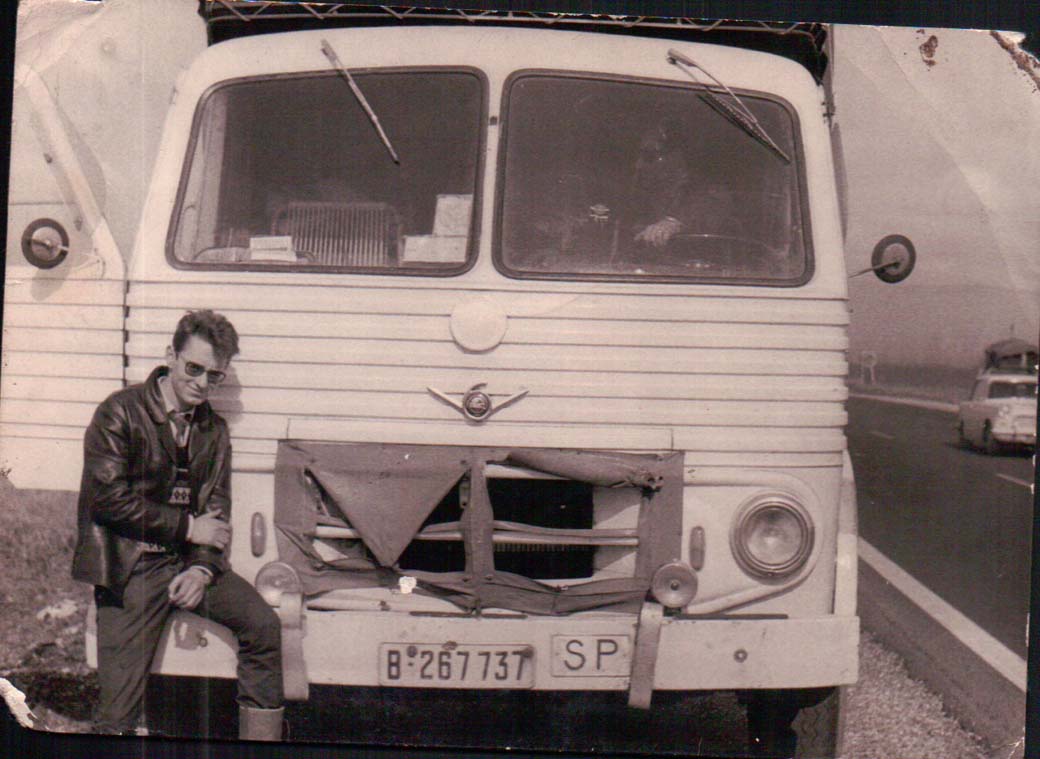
{"x": 941, "y": 134}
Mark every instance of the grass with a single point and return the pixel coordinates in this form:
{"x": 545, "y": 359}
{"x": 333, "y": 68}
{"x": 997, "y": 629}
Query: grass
{"x": 42, "y": 654}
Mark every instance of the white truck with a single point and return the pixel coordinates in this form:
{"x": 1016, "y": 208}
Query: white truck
{"x": 543, "y": 360}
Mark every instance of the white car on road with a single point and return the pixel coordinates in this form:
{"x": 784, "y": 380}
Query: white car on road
{"x": 1000, "y": 412}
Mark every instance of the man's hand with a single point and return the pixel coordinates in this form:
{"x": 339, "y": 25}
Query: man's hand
{"x": 188, "y": 588}
{"x": 210, "y": 530}
{"x": 660, "y": 232}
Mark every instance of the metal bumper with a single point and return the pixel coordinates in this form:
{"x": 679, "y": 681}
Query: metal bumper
{"x": 1015, "y": 438}
{"x": 342, "y": 647}
{"x": 1020, "y": 430}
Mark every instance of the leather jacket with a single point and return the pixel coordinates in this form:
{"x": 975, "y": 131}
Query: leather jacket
{"x": 129, "y": 467}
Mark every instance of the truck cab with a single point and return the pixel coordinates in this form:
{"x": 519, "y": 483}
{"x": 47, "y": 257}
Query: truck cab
{"x": 543, "y": 358}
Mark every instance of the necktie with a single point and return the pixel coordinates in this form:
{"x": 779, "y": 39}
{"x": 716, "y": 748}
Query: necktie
{"x": 180, "y": 423}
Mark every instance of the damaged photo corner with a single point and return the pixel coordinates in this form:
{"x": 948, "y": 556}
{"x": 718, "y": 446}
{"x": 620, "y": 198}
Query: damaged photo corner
{"x": 598, "y": 384}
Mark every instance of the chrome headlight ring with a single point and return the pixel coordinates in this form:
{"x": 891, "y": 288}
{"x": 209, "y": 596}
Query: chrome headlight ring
{"x": 772, "y": 536}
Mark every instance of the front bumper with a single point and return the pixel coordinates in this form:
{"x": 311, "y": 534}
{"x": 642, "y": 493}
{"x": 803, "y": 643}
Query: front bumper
{"x": 1018, "y": 431}
{"x": 342, "y": 647}
{"x": 1017, "y": 437}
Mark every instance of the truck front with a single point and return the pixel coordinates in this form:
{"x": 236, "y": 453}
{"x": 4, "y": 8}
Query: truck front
{"x": 543, "y": 357}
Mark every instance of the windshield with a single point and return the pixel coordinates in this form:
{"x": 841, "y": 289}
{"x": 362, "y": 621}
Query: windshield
{"x": 290, "y": 173}
{"x": 626, "y": 179}
{"x": 1012, "y": 390}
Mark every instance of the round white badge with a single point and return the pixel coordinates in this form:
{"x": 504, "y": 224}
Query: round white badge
{"x": 478, "y": 325}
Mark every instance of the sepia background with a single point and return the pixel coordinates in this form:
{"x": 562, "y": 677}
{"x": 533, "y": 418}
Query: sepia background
{"x": 939, "y": 130}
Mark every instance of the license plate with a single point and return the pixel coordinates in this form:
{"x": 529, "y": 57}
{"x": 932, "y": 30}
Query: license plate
{"x": 456, "y": 665}
{"x": 591, "y": 656}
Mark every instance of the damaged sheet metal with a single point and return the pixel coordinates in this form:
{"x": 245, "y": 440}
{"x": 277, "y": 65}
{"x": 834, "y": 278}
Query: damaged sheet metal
{"x": 503, "y": 590}
{"x": 385, "y": 493}
{"x": 611, "y": 470}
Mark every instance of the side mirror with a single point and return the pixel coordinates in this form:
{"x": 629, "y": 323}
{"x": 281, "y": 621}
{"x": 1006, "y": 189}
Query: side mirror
{"x": 892, "y": 260}
{"x": 45, "y": 243}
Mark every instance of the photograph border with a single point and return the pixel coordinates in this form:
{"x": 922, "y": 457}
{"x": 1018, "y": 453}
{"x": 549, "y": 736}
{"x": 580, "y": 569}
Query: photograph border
{"x": 18, "y": 741}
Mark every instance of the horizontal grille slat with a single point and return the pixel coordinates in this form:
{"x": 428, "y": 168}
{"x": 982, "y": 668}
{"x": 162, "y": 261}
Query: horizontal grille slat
{"x": 733, "y": 378}
{"x": 419, "y": 296}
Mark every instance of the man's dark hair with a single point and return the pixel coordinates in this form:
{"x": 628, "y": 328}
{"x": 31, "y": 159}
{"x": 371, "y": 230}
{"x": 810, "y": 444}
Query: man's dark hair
{"x": 212, "y": 327}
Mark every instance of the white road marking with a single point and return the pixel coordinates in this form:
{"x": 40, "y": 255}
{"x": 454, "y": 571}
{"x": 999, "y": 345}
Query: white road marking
{"x": 882, "y": 435}
{"x": 1023, "y": 483}
{"x": 998, "y": 656}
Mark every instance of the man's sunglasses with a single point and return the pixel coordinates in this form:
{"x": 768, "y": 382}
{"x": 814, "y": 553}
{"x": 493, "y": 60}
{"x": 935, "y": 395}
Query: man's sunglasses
{"x": 213, "y": 376}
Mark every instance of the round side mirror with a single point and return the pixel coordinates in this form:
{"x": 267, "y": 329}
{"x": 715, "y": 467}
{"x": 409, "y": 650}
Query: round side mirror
{"x": 893, "y": 258}
{"x": 45, "y": 243}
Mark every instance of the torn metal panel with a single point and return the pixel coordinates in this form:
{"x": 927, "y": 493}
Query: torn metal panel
{"x": 372, "y": 501}
{"x": 384, "y": 493}
{"x": 611, "y": 470}
{"x": 477, "y": 529}
{"x": 504, "y": 590}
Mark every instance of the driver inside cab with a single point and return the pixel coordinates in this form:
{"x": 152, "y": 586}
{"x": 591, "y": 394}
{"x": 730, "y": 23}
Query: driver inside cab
{"x": 664, "y": 200}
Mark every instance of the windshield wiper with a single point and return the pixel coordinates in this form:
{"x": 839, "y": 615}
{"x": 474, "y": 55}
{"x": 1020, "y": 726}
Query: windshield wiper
{"x": 743, "y": 117}
{"x": 334, "y": 60}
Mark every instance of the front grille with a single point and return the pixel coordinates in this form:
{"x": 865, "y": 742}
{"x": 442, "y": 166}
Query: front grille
{"x": 544, "y": 531}
{"x": 517, "y": 504}
{"x": 543, "y": 503}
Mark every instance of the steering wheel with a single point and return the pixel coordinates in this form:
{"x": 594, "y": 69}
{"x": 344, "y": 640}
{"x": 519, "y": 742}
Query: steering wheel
{"x": 708, "y": 250}
{"x": 756, "y": 247}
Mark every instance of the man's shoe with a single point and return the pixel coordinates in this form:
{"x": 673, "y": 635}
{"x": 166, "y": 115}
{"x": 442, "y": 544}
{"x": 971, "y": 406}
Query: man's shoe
{"x": 255, "y": 724}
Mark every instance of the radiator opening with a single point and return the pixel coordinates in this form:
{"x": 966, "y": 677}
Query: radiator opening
{"x": 543, "y": 503}
{"x": 438, "y": 555}
{"x": 559, "y": 504}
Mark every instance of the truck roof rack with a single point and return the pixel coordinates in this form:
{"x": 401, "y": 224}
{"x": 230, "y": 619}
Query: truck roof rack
{"x": 805, "y": 43}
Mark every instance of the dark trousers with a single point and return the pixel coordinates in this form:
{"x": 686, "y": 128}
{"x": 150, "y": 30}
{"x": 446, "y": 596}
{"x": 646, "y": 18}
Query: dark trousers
{"x": 129, "y": 632}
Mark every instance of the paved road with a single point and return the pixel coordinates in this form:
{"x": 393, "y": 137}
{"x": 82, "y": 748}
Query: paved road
{"x": 956, "y": 519}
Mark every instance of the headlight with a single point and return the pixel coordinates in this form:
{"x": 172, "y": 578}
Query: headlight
{"x": 276, "y": 578}
{"x": 772, "y": 537}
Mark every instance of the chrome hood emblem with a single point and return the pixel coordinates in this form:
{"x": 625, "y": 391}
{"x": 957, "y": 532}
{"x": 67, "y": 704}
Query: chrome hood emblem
{"x": 476, "y": 405}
